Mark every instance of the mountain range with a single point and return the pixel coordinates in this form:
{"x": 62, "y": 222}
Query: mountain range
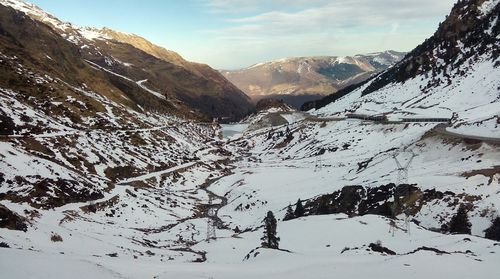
{"x": 300, "y": 79}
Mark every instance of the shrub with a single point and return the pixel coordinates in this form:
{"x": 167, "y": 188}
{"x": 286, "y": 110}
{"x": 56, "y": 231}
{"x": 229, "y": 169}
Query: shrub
{"x": 289, "y": 215}
{"x": 299, "y": 209}
{"x": 270, "y": 239}
{"x": 56, "y": 238}
{"x": 493, "y": 232}
{"x": 460, "y": 222}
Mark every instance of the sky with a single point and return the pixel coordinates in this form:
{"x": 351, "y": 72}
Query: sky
{"x": 232, "y": 34}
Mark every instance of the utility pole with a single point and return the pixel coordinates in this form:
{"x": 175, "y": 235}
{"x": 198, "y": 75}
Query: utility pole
{"x": 318, "y": 165}
{"x": 211, "y": 221}
{"x": 399, "y": 190}
{"x": 403, "y": 167}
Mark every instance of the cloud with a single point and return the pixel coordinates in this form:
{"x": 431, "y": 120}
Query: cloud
{"x": 259, "y": 28}
{"x": 245, "y": 6}
{"x": 340, "y": 14}
{"x": 395, "y": 27}
{"x": 387, "y": 7}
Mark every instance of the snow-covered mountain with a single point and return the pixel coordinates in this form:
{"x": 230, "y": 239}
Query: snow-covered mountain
{"x": 301, "y": 79}
{"x": 90, "y": 186}
{"x": 454, "y": 74}
{"x": 83, "y": 142}
{"x": 161, "y": 70}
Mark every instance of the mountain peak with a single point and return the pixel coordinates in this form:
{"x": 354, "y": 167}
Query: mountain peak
{"x": 37, "y": 13}
{"x": 469, "y": 31}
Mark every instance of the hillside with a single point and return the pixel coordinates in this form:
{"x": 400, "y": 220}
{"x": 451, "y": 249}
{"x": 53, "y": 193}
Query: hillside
{"x": 159, "y": 70}
{"x": 83, "y": 143}
{"x": 301, "y": 79}
{"x": 453, "y": 74}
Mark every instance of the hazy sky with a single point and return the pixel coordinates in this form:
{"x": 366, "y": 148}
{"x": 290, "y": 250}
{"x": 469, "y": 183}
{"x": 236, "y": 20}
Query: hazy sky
{"x": 229, "y": 34}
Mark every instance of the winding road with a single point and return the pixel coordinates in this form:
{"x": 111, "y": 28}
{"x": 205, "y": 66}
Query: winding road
{"x": 441, "y": 129}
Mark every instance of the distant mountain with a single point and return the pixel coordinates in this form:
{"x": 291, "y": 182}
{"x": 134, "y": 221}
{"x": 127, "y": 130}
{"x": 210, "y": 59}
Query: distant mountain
{"x": 305, "y": 78}
{"x": 157, "y": 69}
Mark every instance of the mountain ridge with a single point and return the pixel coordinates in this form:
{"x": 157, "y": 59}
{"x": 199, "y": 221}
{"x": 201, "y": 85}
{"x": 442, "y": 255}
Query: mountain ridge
{"x": 306, "y": 77}
{"x": 198, "y": 85}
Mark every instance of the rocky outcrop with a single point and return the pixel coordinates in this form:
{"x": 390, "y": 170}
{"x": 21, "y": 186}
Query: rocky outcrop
{"x": 49, "y": 193}
{"x": 11, "y": 220}
{"x": 266, "y": 104}
{"x": 387, "y": 200}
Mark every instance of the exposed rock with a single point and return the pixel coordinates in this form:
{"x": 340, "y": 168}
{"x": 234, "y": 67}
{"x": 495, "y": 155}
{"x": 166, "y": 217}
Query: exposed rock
{"x": 377, "y": 247}
{"x": 11, "y": 220}
{"x": 386, "y": 200}
{"x": 49, "y": 193}
{"x": 7, "y": 126}
{"x": 269, "y": 103}
{"x": 424, "y": 248}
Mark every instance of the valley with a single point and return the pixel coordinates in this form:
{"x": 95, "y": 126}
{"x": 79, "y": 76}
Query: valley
{"x": 116, "y": 235}
{"x": 121, "y": 159}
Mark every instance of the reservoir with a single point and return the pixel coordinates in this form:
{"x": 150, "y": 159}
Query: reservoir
{"x": 232, "y": 130}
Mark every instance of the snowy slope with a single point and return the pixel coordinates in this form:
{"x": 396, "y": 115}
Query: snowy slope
{"x": 473, "y": 97}
{"x": 448, "y": 76}
{"x": 279, "y": 171}
{"x": 317, "y": 251}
